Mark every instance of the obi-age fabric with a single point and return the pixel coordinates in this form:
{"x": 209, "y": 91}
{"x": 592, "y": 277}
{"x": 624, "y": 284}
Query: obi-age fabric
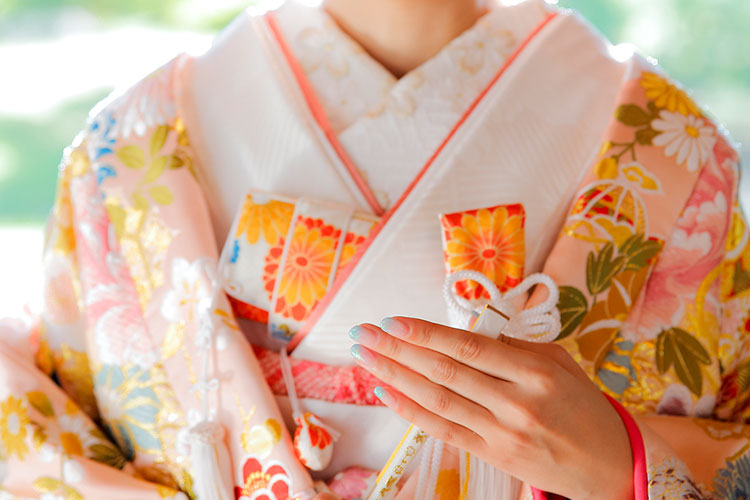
{"x": 330, "y": 194}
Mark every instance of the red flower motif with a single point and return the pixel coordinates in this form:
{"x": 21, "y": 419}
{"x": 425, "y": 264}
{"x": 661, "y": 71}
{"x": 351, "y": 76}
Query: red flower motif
{"x": 271, "y": 483}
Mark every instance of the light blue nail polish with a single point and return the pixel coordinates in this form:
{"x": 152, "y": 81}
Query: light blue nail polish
{"x": 379, "y": 392}
{"x": 356, "y": 351}
{"x": 355, "y": 332}
{"x": 394, "y": 327}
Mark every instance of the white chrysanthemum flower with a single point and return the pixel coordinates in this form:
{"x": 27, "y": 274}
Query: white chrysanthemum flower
{"x": 688, "y": 137}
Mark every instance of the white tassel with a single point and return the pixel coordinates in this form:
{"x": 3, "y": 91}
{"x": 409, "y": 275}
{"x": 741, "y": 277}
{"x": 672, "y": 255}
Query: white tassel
{"x": 489, "y": 483}
{"x": 210, "y": 460}
{"x": 540, "y": 323}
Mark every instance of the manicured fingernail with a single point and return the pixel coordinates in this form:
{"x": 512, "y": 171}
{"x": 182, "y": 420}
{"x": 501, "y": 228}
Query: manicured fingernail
{"x": 362, "y": 334}
{"x": 363, "y": 355}
{"x": 384, "y": 396}
{"x": 395, "y": 327}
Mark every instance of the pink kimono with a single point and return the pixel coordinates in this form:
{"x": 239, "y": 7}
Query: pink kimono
{"x": 524, "y": 146}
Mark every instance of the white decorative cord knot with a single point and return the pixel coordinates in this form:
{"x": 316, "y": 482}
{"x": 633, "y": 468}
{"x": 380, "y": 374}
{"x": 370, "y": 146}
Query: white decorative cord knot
{"x": 540, "y": 323}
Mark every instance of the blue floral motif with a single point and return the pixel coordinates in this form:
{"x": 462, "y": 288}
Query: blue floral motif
{"x": 129, "y": 407}
{"x": 235, "y": 252}
{"x": 733, "y": 482}
{"x": 101, "y": 141}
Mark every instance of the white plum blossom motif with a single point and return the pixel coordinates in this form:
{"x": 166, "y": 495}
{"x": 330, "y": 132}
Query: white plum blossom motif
{"x": 688, "y": 137}
{"x": 190, "y": 294}
{"x": 325, "y": 47}
{"x": 489, "y": 47}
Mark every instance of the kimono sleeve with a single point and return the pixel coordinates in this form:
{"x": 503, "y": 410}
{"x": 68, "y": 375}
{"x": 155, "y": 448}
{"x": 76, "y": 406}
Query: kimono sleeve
{"x": 697, "y": 442}
{"x": 50, "y": 443}
{"x": 60, "y": 340}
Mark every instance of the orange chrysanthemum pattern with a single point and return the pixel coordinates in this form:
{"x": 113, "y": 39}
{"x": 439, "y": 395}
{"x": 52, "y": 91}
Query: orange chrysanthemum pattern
{"x": 307, "y": 267}
{"x": 270, "y": 219}
{"x": 352, "y": 242}
{"x": 488, "y": 240}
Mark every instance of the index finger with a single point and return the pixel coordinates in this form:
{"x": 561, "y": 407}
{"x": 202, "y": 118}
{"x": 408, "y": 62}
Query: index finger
{"x": 491, "y": 356}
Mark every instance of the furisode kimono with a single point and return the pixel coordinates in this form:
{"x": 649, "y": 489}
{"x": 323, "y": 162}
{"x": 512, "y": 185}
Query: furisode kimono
{"x": 283, "y": 187}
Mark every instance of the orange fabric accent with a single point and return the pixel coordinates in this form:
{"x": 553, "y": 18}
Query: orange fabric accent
{"x": 487, "y": 240}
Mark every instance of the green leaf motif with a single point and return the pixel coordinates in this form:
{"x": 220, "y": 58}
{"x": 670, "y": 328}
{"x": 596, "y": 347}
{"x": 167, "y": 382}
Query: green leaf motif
{"x": 645, "y": 136}
{"x": 161, "y": 195}
{"x": 573, "y": 308}
{"x": 677, "y": 348}
{"x": 41, "y": 403}
{"x": 156, "y": 168}
{"x": 131, "y": 156}
{"x": 107, "y": 455}
{"x": 740, "y": 279}
{"x": 632, "y": 115}
{"x": 158, "y": 139}
{"x": 601, "y": 268}
{"x": 175, "y": 162}
{"x": 638, "y": 251}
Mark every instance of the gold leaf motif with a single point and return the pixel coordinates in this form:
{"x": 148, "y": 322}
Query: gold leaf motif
{"x": 158, "y": 139}
{"x": 161, "y": 195}
{"x": 131, "y": 156}
{"x": 39, "y": 438}
{"x": 173, "y": 340}
{"x": 156, "y": 168}
{"x": 274, "y": 428}
{"x": 606, "y": 168}
{"x": 70, "y": 493}
{"x": 41, "y": 403}
{"x": 140, "y": 202}
{"x": 47, "y": 484}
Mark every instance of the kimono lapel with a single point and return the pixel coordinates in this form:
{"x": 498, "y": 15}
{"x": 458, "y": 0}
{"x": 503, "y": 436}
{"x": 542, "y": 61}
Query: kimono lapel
{"x": 401, "y": 122}
{"x": 401, "y": 271}
{"x": 625, "y": 209}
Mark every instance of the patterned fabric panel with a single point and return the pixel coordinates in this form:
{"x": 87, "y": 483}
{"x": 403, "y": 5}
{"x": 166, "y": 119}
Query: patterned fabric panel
{"x": 283, "y": 255}
{"x": 488, "y": 240}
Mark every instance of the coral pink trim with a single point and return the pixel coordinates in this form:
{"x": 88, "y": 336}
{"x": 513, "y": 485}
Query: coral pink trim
{"x": 345, "y": 272}
{"x": 640, "y": 475}
{"x": 337, "y": 384}
{"x": 320, "y": 116}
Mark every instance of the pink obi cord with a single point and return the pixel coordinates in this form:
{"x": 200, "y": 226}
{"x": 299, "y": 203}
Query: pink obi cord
{"x": 640, "y": 477}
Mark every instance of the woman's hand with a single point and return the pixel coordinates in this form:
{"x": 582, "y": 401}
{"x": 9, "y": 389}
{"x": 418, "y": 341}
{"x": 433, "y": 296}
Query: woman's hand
{"x": 526, "y": 408}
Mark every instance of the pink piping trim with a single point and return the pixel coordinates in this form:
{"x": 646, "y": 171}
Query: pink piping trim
{"x": 345, "y": 272}
{"x": 640, "y": 475}
{"x": 320, "y": 116}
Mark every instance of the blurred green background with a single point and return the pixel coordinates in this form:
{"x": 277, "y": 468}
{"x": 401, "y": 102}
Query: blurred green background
{"x": 59, "y": 57}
